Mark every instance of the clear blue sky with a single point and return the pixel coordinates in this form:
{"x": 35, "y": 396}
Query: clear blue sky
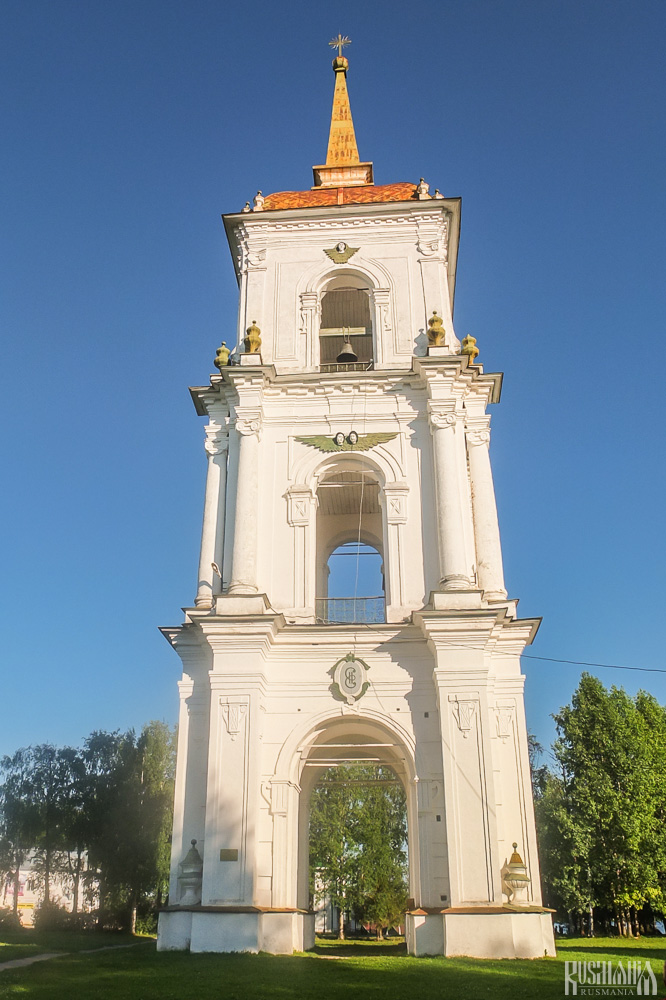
{"x": 129, "y": 127}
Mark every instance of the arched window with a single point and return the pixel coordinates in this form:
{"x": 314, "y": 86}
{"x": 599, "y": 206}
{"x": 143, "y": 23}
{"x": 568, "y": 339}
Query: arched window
{"x": 345, "y": 332}
{"x": 350, "y": 581}
{"x": 355, "y": 584}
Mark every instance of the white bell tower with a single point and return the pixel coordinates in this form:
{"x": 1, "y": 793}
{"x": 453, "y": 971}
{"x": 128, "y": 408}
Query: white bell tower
{"x": 351, "y": 414}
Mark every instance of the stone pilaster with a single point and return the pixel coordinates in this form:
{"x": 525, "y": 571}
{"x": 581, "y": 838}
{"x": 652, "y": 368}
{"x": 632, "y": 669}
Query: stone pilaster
{"x": 244, "y": 560}
{"x": 486, "y": 528}
{"x": 394, "y": 499}
{"x": 301, "y": 510}
{"x": 445, "y": 424}
{"x": 212, "y": 533}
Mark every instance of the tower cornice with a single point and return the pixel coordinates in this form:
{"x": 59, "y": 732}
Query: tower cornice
{"x": 439, "y": 373}
{"x": 251, "y": 234}
{"x": 336, "y": 214}
{"x": 428, "y": 373}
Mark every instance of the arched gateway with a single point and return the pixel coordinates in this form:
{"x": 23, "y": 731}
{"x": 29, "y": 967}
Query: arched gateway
{"x": 352, "y": 418}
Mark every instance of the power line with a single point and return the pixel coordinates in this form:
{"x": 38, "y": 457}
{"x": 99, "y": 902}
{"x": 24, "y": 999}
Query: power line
{"x": 584, "y": 663}
{"x": 532, "y": 656}
{"x": 527, "y": 656}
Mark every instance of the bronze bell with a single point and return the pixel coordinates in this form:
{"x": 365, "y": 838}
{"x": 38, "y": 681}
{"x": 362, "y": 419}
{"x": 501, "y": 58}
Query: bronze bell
{"x": 347, "y": 356}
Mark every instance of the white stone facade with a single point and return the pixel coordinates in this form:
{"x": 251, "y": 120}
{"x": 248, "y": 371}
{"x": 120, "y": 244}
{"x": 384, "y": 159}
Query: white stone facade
{"x": 443, "y": 698}
{"x": 402, "y": 258}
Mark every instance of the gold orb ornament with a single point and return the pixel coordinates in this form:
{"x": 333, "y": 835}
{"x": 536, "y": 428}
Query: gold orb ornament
{"x": 222, "y": 356}
{"x": 253, "y": 339}
{"x": 436, "y": 331}
{"x": 470, "y": 349}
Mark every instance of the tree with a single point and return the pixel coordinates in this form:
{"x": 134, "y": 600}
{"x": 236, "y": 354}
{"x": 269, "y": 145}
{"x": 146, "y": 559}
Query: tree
{"x": 154, "y": 790}
{"x": 50, "y": 785}
{"x": 332, "y": 850}
{"x": 381, "y": 833}
{"x": 128, "y": 805}
{"x": 358, "y": 833}
{"x": 601, "y": 818}
{"x": 108, "y": 804}
{"x": 21, "y": 825}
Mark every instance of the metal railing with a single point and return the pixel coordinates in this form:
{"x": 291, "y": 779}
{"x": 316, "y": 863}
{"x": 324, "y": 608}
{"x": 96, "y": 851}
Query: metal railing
{"x": 351, "y": 610}
{"x": 356, "y": 366}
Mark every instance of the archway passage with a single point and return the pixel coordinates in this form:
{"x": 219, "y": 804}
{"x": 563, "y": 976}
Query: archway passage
{"x": 364, "y": 767}
{"x": 358, "y": 862}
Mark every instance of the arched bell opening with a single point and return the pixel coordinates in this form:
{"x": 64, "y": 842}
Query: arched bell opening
{"x": 345, "y": 328}
{"x": 350, "y": 550}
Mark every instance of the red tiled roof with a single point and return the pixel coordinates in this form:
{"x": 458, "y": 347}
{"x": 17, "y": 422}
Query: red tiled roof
{"x": 340, "y": 196}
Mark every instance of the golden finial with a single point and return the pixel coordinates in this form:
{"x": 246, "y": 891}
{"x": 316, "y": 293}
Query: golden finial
{"x": 339, "y": 43}
{"x": 222, "y": 356}
{"x": 470, "y": 349}
{"x": 436, "y": 331}
{"x": 253, "y": 339}
{"x": 515, "y": 857}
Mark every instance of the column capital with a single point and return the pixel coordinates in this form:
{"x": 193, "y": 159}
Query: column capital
{"x": 477, "y": 430}
{"x": 442, "y": 415}
{"x": 477, "y": 437}
{"x": 217, "y": 440}
{"x": 248, "y": 422}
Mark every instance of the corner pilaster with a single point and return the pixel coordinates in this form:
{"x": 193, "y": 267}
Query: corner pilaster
{"x": 212, "y": 532}
{"x": 486, "y": 527}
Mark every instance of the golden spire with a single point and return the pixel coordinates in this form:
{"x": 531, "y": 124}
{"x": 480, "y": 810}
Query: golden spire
{"x": 343, "y": 167}
{"x": 342, "y": 148}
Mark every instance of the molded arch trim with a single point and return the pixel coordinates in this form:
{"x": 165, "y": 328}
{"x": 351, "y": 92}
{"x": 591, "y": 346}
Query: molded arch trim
{"x": 312, "y": 467}
{"x": 288, "y": 764}
{"x": 315, "y": 279}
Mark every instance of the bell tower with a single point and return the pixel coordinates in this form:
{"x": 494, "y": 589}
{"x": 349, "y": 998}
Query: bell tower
{"x": 350, "y": 420}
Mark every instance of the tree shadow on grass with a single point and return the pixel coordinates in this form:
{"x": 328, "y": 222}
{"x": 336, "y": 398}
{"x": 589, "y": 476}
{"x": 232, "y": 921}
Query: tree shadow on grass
{"x": 146, "y": 974}
{"x": 655, "y": 951}
{"x": 360, "y": 949}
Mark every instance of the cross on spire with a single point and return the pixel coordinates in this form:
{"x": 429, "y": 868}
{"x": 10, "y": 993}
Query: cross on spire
{"x": 339, "y": 43}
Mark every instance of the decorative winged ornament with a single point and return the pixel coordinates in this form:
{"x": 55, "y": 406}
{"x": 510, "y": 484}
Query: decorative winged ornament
{"x": 341, "y": 253}
{"x": 352, "y": 442}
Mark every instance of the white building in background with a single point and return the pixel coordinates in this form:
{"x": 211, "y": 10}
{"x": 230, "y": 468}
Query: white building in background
{"x": 31, "y": 892}
{"x": 353, "y": 414}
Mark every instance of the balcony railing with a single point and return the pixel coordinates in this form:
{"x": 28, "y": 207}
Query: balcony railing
{"x": 355, "y": 366}
{"x": 351, "y": 610}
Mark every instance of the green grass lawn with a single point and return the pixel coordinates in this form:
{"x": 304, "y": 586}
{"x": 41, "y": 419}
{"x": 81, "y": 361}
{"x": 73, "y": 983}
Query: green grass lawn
{"x": 364, "y": 970}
